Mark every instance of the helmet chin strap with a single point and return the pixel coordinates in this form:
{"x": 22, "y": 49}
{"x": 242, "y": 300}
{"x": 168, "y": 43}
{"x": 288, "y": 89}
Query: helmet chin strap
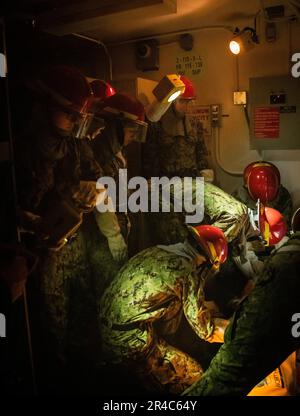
{"x": 200, "y": 260}
{"x": 254, "y": 216}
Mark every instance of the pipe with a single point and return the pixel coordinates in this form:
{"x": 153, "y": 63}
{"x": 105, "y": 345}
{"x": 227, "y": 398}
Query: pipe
{"x": 237, "y": 73}
{"x": 98, "y": 42}
{"x": 175, "y": 32}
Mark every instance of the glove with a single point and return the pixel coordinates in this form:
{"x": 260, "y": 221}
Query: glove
{"x": 220, "y": 326}
{"x": 86, "y": 195}
{"x": 109, "y": 227}
{"x": 118, "y": 248}
{"x": 208, "y": 175}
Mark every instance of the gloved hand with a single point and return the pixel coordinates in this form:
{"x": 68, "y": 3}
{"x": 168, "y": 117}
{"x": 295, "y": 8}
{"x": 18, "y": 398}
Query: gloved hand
{"x": 110, "y": 228}
{"x": 208, "y": 175}
{"x": 118, "y": 248}
{"x": 86, "y": 195}
{"x": 220, "y": 326}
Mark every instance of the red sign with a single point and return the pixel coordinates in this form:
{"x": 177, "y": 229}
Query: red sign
{"x": 266, "y": 122}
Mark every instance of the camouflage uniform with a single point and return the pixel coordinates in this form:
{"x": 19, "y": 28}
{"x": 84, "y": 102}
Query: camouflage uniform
{"x": 50, "y": 165}
{"x": 174, "y": 147}
{"x": 220, "y": 210}
{"x": 68, "y": 303}
{"x": 49, "y": 160}
{"x": 108, "y": 152}
{"x": 111, "y": 156}
{"x": 144, "y": 304}
{"x": 259, "y": 337}
{"x": 283, "y": 202}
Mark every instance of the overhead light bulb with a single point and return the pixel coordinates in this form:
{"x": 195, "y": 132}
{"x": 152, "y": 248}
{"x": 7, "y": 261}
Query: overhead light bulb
{"x": 243, "y": 40}
{"x": 234, "y": 46}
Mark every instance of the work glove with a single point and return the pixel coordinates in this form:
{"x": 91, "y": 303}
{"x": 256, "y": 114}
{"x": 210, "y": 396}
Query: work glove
{"x": 250, "y": 266}
{"x": 208, "y": 175}
{"x": 110, "y": 228}
{"x": 86, "y": 195}
{"x": 118, "y": 248}
{"x": 220, "y": 326}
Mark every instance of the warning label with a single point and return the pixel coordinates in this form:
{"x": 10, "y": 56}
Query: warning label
{"x": 267, "y": 122}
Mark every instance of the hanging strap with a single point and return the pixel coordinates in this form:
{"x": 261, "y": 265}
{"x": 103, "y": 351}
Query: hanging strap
{"x": 288, "y": 249}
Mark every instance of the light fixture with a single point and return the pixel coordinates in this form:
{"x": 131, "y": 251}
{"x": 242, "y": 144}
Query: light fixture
{"x": 243, "y": 40}
{"x": 168, "y": 88}
{"x": 166, "y": 91}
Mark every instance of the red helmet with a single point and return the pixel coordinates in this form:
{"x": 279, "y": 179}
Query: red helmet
{"x": 249, "y": 167}
{"x": 124, "y": 106}
{"x": 262, "y": 180}
{"x": 101, "y": 89}
{"x": 68, "y": 87}
{"x": 296, "y": 220}
{"x": 213, "y": 242}
{"x": 189, "y": 91}
{"x": 272, "y": 225}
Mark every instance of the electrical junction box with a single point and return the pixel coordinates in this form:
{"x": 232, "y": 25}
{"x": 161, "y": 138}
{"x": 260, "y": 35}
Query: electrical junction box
{"x": 274, "y": 104}
{"x": 239, "y": 98}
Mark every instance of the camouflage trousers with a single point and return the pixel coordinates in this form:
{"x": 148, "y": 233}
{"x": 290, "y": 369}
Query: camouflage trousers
{"x": 68, "y": 303}
{"x": 159, "y": 366}
{"x": 259, "y": 337}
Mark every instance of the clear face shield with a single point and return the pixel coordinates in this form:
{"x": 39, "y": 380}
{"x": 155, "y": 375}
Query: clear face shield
{"x": 296, "y": 221}
{"x": 136, "y": 131}
{"x": 88, "y": 126}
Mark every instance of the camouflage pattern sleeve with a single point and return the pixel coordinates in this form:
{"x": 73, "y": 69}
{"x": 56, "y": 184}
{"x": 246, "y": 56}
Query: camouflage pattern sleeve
{"x": 242, "y": 195}
{"x": 42, "y": 181}
{"x": 150, "y": 151}
{"x": 108, "y": 153}
{"x": 198, "y": 316}
{"x": 259, "y": 336}
{"x": 284, "y": 204}
{"x": 90, "y": 168}
{"x": 224, "y": 211}
{"x": 220, "y": 210}
{"x": 201, "y": 149}
{"x": 145, "y": 287}
{"x": 36, "y": 166}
